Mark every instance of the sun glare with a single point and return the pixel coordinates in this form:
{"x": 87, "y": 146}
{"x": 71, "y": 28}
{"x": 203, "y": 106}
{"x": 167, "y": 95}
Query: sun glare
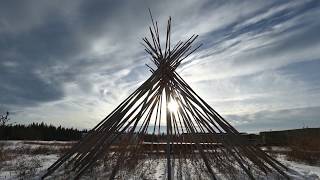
{"x": 173, "y": 106}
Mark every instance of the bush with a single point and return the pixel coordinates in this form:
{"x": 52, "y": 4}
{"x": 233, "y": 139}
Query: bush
{"x": 27, "y": 169}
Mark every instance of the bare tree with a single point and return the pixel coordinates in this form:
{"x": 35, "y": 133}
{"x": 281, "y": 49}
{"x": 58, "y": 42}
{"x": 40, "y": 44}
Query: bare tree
{"x": 4, "y": 118}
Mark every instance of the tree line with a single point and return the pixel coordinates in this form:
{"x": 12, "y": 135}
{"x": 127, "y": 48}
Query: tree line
{"x": 39, "y": 131}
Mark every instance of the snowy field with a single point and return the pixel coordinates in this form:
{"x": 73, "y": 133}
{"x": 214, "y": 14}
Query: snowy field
{"x": 30, "y": 159}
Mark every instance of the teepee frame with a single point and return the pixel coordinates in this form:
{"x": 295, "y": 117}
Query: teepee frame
{"x": 134, "y": 129}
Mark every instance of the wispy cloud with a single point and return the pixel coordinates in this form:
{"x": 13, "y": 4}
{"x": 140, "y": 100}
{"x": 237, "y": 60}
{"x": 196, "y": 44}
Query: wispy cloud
{"x": 71, "y": 63}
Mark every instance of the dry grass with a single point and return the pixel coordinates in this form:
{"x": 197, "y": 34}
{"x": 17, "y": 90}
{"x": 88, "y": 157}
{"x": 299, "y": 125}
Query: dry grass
{"x": 41, "y": 150}
{"x": 2, "y": 153}
{"x": 25, "y": 159}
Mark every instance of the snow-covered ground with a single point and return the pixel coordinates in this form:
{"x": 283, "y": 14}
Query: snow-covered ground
{"x": 30, "y": 159}
{"x": 302, "y": 170}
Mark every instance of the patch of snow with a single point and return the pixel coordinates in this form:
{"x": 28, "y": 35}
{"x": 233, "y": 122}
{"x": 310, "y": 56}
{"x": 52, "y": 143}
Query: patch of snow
{"x": 301, "y": 171}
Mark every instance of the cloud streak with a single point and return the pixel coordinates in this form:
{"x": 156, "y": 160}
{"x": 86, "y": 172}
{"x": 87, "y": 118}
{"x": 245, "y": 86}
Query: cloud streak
{"x": 71, "y": 64}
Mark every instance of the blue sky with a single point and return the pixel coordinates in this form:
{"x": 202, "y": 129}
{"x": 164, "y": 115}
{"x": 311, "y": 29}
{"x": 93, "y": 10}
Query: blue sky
{"x": 71, "y": 62}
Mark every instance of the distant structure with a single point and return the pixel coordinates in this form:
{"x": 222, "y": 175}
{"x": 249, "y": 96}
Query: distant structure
{"x": 290, "y": 137}
{"x": 194, "y": 132}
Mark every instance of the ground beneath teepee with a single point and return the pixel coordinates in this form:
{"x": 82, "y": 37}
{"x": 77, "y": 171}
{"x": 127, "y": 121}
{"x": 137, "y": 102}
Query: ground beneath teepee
{"x": 29, "y": 159}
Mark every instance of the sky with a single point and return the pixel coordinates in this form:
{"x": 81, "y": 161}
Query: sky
{"x": 71, "y": 63}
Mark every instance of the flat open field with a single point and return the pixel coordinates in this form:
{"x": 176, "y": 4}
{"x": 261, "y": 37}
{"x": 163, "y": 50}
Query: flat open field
{"x": 30, "y": 159}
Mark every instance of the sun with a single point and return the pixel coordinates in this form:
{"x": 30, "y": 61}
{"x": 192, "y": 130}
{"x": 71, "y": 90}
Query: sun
{"x": 173, "y": 106}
